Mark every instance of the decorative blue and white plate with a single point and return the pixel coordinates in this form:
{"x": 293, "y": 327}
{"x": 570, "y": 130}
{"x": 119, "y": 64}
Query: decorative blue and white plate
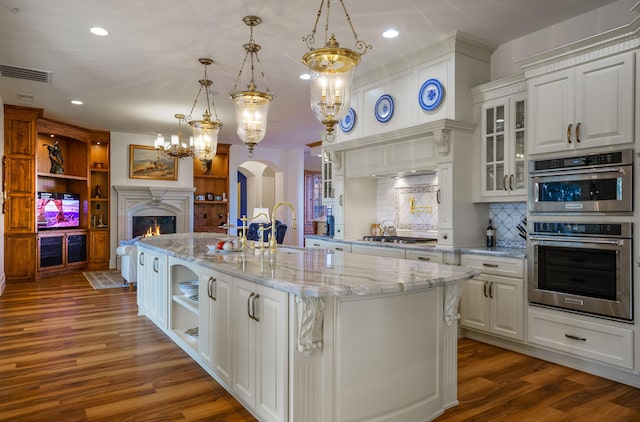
{"x": 347, "y": 123}
{"x": 384, "y": 108}
{"x": 431, "y": 95}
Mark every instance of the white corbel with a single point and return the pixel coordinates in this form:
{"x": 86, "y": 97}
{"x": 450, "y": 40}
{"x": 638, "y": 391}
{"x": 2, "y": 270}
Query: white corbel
{"x": 310, "y": 318}
{"x": 442, "y": 139}
{"x": 452, "y": 293}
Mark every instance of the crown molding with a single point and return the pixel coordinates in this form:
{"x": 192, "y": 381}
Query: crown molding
{"x": 499, "y": 88}
{"x": 610, "y": 42}
{"x": 458, "y": 42}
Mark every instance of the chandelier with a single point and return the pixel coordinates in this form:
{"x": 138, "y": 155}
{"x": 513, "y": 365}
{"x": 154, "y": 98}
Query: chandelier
{"x": 331, "y": 68}
{"x": 205, "y": 131}
{"x": 251, "y": 106}
{"x": 178, "y": 146}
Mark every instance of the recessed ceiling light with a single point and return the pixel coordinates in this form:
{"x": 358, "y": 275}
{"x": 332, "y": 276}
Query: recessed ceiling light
{"x": 305, "y": 76}
{"x": 76, "y": 102}
{"x": 390, "y": 33}
{"x": 96, "y": 30}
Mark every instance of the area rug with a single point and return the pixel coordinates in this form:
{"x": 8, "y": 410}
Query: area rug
{"x": 105, "y": 279}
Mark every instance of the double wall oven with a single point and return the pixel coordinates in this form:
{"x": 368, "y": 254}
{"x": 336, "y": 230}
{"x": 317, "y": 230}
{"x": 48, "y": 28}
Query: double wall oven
{"x": 580, "y": 255}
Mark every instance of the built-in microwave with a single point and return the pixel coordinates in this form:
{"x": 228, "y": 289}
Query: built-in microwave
{"x": 594, "y": 183}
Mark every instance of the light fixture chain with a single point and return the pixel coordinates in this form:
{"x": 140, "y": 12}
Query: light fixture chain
{"x": 360, "y": 45}
{"x": 311, "y": 38}
{"x": 264, "y": 78}
{"x": 235, "y": 86}
{"x": 326, "y": 24}
{"x": 188, "y": 118}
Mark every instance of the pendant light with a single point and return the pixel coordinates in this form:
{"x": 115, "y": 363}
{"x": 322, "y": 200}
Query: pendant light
{"x": 205, "y": 131}
{"x": 331, "y": 68}
{"x": 252, "y": 106}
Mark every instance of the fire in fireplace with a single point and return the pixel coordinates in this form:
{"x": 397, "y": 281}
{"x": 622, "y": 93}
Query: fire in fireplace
{"x": 153, "y": 225}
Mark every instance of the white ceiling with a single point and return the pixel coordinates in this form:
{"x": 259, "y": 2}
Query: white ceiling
{"x": 147, "y": 69}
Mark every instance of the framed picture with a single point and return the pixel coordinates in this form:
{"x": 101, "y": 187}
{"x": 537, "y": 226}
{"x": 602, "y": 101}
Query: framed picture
{"x": 209, "y": 196}
{"x": 150, "y": 163}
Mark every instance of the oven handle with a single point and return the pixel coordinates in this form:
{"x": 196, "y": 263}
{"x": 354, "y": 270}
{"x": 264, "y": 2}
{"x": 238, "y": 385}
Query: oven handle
{"x": 578, "y": 172}
{"x": 617, "y": 242}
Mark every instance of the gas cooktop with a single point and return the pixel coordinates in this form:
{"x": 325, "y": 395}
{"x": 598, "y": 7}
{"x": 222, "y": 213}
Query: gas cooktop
{"x": 398, "y": 239}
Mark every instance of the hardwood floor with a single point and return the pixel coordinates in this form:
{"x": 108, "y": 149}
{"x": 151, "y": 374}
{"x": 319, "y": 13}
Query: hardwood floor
{"x": 71, "y": 353}
{"x": 499, "y": 385}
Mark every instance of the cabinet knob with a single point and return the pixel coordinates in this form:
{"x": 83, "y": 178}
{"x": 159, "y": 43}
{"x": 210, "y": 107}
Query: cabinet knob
{"x": 569, "y": 133}
{"x": 511, "y": 182}
{"x": 504, "y": 182}
{"x": 578, "y": 132}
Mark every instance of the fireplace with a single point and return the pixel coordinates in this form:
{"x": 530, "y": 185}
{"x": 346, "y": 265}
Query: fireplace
{"x": 143, "y": 225}
{"x": 150, "y": 202}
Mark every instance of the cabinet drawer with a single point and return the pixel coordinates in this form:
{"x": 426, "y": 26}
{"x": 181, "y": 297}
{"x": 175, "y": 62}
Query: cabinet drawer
{"x": 510, "y": 267}
{"x": 389, "y": 252}
{"x": 430, "y": 256}
{"x": 600, "y": 342}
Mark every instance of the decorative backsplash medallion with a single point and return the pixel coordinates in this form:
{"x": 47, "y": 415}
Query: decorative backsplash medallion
{"x": 416, "y": 207}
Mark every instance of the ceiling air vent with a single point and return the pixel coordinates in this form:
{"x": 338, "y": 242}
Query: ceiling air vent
{"x": 25, "y": 73}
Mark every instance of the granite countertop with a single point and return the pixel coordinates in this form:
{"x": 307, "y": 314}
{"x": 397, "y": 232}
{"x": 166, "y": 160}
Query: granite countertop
{"x": 518, "y": 253}
{"x": 310, "y": 272}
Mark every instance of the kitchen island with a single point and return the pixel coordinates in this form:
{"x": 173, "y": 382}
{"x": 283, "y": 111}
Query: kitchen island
{"x": 310, "y": 335}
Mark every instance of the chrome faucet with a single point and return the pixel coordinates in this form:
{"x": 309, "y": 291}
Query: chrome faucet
{"x": 272, "y": 241}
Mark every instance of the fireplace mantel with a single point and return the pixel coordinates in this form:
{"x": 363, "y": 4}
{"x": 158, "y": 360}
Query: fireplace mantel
{"x": 153, "y": 200}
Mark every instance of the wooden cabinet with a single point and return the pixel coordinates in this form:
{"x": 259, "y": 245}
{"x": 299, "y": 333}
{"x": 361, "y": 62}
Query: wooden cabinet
{"x": 29, "y": 170}
{"x": 493, "y": 302}
{"x": 211, "y": 183}
{"x": 216, "y": 340}
{"x": 586, "y": 106}
{"x": 60, "y": 251}
{"x": 18, "y": 184}
{"x": 503, "y": 169}
{"x": 260, "y": 378}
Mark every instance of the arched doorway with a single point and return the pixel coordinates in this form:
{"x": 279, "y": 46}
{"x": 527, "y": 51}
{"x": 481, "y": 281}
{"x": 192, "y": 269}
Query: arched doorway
{"x": 256, "y": 186}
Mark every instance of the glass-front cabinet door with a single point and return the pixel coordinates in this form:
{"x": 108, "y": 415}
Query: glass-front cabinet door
{"x": 494, "y": 163}
{"x": 503, "y": 147}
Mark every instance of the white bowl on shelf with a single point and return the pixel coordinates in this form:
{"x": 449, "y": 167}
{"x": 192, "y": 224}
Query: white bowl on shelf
{"x": 189, "y": 288}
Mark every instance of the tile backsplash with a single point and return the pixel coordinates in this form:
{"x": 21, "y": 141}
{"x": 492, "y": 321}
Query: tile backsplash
{"x": 393, "y": 206}
{"x": 505, "y": 217}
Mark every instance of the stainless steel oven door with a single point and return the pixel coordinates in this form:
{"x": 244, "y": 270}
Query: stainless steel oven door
{"x": 592, "y": 275}
{"x": 593, "y": 190}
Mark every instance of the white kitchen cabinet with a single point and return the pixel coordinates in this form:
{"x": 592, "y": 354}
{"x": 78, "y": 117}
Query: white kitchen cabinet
{"x": 444, "y": 198}
{"x": 386, "y": 251}
{"x": 327, "y": 244}
{"x": 595, "y": 339}
{"x": 260, "y": 338}
{"x": 491, "y": 302}
{"x": 589, "y": 105}
{"x": 503, "y": 148}
{"x": 215, "y": 323}
{"x": 429, "y": 256}
{"x": 152, "y": 287}
{"x": 328, "y": 192}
